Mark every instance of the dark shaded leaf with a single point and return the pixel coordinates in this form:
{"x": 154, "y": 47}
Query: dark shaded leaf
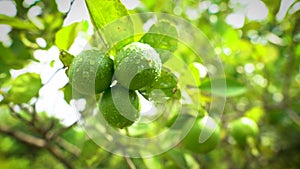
{"x": 17, "y": 56}
{"x": 66, "y": 58}
{"x": 165, "y": 86}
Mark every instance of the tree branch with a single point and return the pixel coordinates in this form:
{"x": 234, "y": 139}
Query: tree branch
{"x": 29, "y": 123}
{"x": 62, "y": 130}
{"x": 53, "y": 75}
{"x": 68, "y": 146}
{"x": 40, "y": 143}
{"x": 294, "y": 116}
{"x": 23, "y": 137}
{"x": 16, "y": 114}
{"x": 52, "y": 144}
{"x": 130, "y": 163}
{"x": 58, "y": 154}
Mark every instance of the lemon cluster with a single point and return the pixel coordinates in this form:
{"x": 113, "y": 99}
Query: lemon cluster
{"x": 136, "y": 66}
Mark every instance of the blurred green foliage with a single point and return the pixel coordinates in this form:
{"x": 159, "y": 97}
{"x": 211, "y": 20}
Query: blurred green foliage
{"x": 261, "y": 60}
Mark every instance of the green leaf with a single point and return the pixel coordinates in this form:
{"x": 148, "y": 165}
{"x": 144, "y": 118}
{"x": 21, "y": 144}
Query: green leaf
{"x": 24, "y": 87}
{"x": 16, "y": 23}
{"x": 52, "y": 63}
{"x": 66, "y": 58}
{"x": 232, "y": 88}
{"x": 163, "y": 37}
{"x": 177, "y": 157}
{"x": 17, "y": 56}
{"x": 273, "y": 7}
{"x": 108, "y": 17}
{"x": 91, "y": 154}
{"x": 297, "y": 50}
{"x": 10, "y": 163}
{"x": 67, "y": 89}
{"x": 255, "y": 113}
{"x": 65, "y": 37}
{"x": 4, "y": 73}
{"x": 153, "y": 163}
{"x": 165, "y": 86}
{"x": 191, "y": 161}
{"x": 266, "y": 53}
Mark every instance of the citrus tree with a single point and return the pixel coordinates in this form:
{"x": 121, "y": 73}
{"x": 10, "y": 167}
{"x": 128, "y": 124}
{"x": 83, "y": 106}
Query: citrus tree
{"x": 156, "y": 84}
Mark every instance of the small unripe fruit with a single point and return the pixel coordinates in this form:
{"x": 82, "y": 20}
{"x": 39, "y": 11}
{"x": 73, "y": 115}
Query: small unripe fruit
{"x": 119, "y": 106}
{"x": 91, "y": 72}
{"x": 205, "y": 125}
{"x": 242, "y": 129}
{"x": 137, "y": 65}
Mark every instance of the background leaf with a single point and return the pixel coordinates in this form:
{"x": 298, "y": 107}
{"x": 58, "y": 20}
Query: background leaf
{"x": 65, "y": 37}
{"x": 67, "y": 89}
{"x": 153, "y": 163}
{"x": 24, "y": 87}
{"x": 233, "y": 88}
{"x": 178, "y": 158}
{"x": 16, "y": 56}
{"x": 163, "y": 37}
{"x": 16, "y": 22}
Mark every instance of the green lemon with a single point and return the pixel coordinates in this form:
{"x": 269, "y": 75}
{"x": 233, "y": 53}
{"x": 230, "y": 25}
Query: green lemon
{"x": 91, "y": 72}
{"x": 242, "y": 129}
{"x": 119, "y": 106}
{"x": 137, "y": 65}
{"x": 206, "y": 126}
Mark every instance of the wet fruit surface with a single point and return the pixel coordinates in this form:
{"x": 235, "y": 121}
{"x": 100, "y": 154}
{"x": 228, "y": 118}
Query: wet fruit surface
{"x": 119, "y": 106}
{"x": 137, "y": 65}
{"x": 91, "y": 72}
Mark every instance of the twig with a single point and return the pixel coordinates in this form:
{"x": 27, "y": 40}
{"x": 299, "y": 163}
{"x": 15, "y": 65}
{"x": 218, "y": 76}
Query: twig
{"x": 294, "y": 116}
{"x": 127, "y": 159}
{"x": 58, "y": 154}
{"x": 127, "y": 131}
{"x": 130, "y": 163}
{"x": 16, "y": 114}
{"x": 55, "y": 136}
{"x": 62, "y": 130}
{"x": 45, "y": 141}
{"x": 48, "y": 129}
{"x": 37, "y": 142}
{"x": 33, "y": 115}
{"x": 23, "y": 137}
{"x": 291, "y": 6}
{"x": 68, "y": 146}
{"x": 29, "y": 110}
{"x": 48, "y": 81}
{"x": 71, "y": 4}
